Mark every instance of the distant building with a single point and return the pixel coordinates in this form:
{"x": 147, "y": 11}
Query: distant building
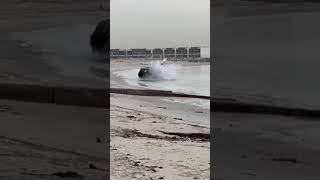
{"x": 194, "y": 52}
{"x": 169, "y": 53}
{"x": 148, "y": 53}
{"x": 139, "y": 53}
{"x": 182, "y": 53}
{"x": 122, "y": 52}
{"x": 129, "y": 53}
{"x": 114, "y": 52}
{"x": 117, "y": 53}
{"x": 157, "y": 53}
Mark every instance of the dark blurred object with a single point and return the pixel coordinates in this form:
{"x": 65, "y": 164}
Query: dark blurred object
{"x": 100, "y": 38}
{"x": 145, "y": 72}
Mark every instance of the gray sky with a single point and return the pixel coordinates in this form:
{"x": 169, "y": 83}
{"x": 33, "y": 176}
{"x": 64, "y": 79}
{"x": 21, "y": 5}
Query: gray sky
{"x": 159, "y": 23}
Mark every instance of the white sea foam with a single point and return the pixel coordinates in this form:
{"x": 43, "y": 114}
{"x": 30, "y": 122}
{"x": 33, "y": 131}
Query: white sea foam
{"x": 162, "y": 72}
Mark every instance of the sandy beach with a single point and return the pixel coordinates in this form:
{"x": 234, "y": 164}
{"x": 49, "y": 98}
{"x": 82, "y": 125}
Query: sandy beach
{"x": 156, "y": 139}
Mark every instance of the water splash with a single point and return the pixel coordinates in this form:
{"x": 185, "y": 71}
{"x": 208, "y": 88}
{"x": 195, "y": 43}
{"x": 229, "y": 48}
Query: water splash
{"x": 162, "y": 72}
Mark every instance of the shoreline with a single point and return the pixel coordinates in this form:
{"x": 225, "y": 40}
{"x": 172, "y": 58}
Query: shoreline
{"x": 153, "y": 138}
{"x": 117, "y": 65}
{"x": 148, "y": 127}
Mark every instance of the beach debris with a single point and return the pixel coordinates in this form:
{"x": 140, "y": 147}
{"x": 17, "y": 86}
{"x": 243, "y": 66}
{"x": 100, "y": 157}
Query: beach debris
{"x": 198, "y": 126}
{"x": 178, "y": 119}
{"x": 68, "y": 174}
{"x": 131, "y": 117}
{"x": 161, "y": 177}
{"x": 153, "y": 168}
{"x": 160, "y": 107}
{"x": 129, "y": 133}
{"x": 175, "y": 136}
{"x": 190, "y": 136}
{"x": 136, "y": 163}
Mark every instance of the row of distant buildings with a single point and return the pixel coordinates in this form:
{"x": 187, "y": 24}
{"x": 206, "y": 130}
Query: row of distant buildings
{"x": 170, "y": 53}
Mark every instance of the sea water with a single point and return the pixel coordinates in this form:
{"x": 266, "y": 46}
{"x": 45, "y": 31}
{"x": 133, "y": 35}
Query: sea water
{"x": 183, "y": 79}
{"x": 193, "y": 79}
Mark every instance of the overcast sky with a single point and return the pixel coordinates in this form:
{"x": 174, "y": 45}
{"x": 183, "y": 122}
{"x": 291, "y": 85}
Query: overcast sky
{"x": 159, "y": 23}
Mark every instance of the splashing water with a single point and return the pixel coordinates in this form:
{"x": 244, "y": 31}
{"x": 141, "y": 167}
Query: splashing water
{"x": 162, "y": 72}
